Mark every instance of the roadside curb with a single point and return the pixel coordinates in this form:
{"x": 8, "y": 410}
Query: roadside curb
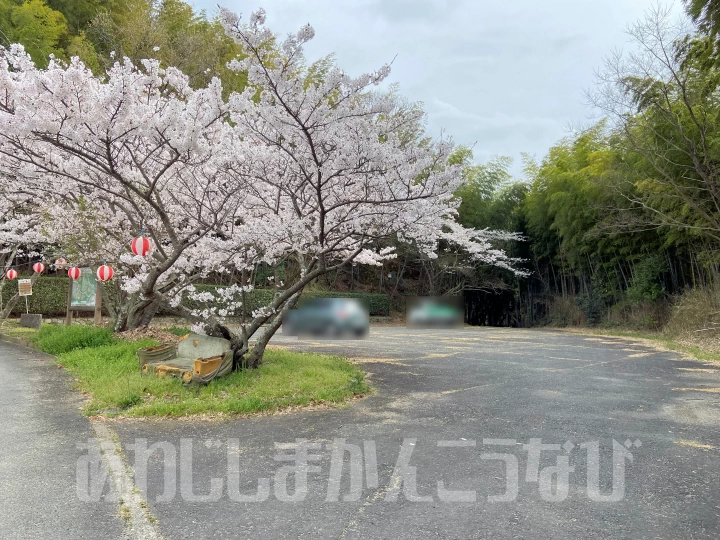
{"x": 16, "y": 341}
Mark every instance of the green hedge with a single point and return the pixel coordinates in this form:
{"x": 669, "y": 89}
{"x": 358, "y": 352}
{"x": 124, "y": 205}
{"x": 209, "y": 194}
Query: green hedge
{"x": 255, "y": 299}
{"x": 50, "y": 296}
{"x": 377, "y": 304}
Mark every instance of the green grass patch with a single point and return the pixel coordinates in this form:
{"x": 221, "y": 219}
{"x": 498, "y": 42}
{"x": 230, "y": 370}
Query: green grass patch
{"x": 12, "y": 328}
{"x": 108, "y": 371}
{"x": 178, "y": 330}
{"x": 54, "y": 339}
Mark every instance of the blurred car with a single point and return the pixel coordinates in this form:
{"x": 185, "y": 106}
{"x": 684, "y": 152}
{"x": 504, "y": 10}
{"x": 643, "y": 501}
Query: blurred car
{"x": 434, "y": 312}
{"x": 328, "y": 317}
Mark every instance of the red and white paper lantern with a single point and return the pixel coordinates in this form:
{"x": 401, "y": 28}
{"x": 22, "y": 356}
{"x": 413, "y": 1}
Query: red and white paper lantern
{"x": 60, "y": 263}
{"x": 38, "y": 267}
{"x": 105, "y": 273}
{"x": 74, "y": 272}
{"x": 140, "y": 246}
{"x": 11, "y": 274}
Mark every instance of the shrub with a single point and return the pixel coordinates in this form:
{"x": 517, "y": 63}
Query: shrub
{"x": 592, "y": 307}
{"x": 254, "y": 299}
{"x": 695, "y": 309}
{"x": 638, "y": 315}
{"x": 646, "y": 283}
{"x": 564, "y": 311}
{"x": 55, "y": 340}
{"x": 377, "y": 304}
{"x": 49, "y": 298}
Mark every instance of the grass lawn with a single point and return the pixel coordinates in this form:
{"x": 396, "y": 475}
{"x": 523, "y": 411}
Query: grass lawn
{"x": 107, "y": 370}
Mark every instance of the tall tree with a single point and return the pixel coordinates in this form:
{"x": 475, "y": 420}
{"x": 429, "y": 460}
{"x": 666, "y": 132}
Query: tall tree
{"x": 78, "y": 12}
{"x": 315, "y": 172}
{"x": 40, "y": 28}
{"x": 172, "y": 32}
{"x": 664, "y": 101}
{"x": 706, "y": 14}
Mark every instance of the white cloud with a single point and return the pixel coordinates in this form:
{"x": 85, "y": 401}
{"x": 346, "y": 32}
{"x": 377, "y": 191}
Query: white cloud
{"x": 508, "y": 76}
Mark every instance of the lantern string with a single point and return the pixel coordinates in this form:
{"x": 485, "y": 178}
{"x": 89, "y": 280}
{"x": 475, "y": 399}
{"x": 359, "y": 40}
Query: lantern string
{"x": 29, "y": 264}
{"x": 50, "y": 257}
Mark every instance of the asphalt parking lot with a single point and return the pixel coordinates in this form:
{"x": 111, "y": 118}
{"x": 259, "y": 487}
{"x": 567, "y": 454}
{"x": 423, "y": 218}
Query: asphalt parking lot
{"x": 448, "y": 446}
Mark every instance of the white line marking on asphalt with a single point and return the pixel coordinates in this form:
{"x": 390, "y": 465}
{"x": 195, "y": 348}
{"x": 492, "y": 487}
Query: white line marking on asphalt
{"x": 139, "y": 524}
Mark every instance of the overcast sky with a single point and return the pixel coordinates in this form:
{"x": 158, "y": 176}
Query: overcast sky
{"x": 505, "y": 76}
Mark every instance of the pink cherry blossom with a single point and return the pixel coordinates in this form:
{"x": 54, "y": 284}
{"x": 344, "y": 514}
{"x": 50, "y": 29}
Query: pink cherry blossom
{"x": 315, "y": 170}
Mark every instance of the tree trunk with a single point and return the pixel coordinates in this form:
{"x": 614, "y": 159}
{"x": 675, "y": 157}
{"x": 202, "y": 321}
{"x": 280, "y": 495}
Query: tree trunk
{"x": 9, "y": 305}
{"x": 239, "y": 346}
{"x": 136, "y": 315}
{"x": 255, "y": 356}
{"x": 142, "y": 316}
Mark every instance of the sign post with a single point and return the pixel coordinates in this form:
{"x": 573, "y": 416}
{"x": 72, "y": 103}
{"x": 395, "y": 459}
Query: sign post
{"x": 26, "y": 319}
{"x": 25, "y": 289}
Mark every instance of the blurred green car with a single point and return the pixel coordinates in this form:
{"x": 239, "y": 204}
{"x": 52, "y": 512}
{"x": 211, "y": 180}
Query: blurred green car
{"x": 332, "y": 318}
{"x": 433, "y": 312}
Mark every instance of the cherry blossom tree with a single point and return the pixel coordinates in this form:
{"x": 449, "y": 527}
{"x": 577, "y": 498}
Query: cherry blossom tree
{"x": 330, "y": 173}
{"x": 20, "y": 233}
{"x": 111, "y": 157}
{"x": 12, "y": 225}
{"x": 318, "y": 170}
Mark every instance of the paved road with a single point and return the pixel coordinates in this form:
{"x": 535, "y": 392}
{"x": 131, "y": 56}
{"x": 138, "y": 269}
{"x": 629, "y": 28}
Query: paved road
{"x": 40, "y": 428}
{"x": 438, "y": 394}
